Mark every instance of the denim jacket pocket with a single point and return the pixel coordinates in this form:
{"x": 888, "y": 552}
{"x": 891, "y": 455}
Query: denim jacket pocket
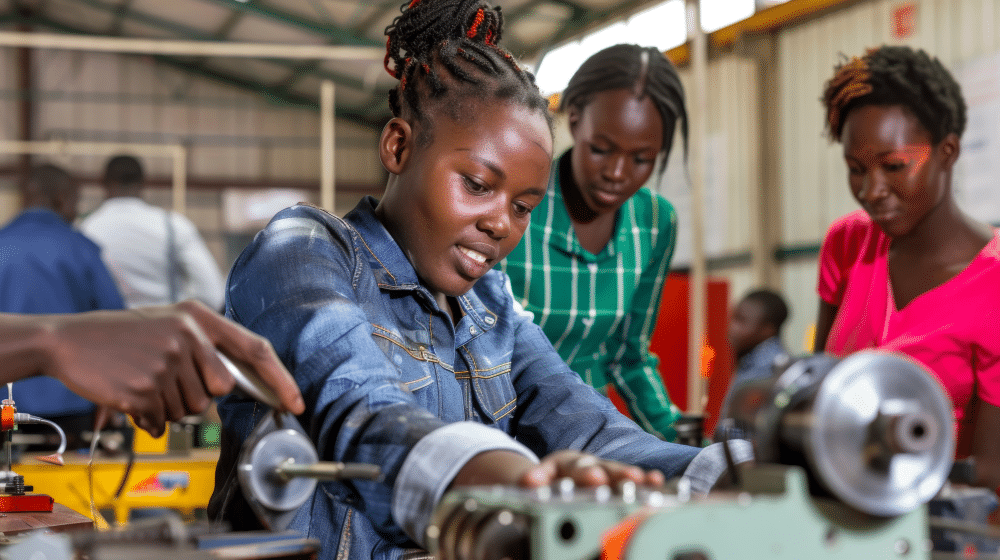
{"x": 412, "y": 361}
{"x": 493, "y": 389}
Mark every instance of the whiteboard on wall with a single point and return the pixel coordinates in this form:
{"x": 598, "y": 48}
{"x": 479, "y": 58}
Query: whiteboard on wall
{"x": 977, "y": 174}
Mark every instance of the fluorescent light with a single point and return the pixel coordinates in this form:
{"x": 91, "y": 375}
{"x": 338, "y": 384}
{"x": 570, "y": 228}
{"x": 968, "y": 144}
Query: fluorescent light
{"x": 662, "y": 26}
{"x": 716, "y": 14}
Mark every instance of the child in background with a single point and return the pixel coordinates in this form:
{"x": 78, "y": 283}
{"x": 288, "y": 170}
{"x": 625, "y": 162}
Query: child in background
{"x": 408, "y": 348}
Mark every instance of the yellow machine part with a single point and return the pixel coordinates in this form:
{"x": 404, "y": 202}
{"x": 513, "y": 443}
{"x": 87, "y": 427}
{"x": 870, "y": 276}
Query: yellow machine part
{"x": 182, "y": 482}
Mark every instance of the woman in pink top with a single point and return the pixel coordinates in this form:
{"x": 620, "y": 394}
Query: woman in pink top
{"x": 911, "y": 272}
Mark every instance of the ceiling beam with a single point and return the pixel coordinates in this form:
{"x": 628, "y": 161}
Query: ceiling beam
{"x": 378, "y": 14}
{"x": 297, "y": 74}
{"x": 521, "y": 49}
{"x": 227, "y": 26}
{"x": 120, "y": 12}
{"x": 271, "y": 94}
{"x": 196, "y": 34}
{"x": 332, "y": 33}
{"x": 187, "y": 47}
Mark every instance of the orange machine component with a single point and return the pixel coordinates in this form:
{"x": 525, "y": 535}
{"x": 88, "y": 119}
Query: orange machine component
{"x": 7, "y": 416}
{"x": 670, "y": 343}
{"x": 26, "y": 502}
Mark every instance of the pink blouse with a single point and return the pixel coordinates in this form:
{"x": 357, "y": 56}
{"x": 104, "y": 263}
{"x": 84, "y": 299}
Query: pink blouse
{"x": 953, "y": 329}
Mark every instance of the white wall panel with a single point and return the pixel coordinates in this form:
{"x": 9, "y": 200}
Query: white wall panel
{"x": 799, "y": 288}
{"x": 733, "y": 160}
{"x": 813, "y": 175}
{"x": 739, "y": 282}
{"x": 231, "y": 133}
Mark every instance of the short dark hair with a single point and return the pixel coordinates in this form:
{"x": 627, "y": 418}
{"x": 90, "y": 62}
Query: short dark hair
{"x": 897, "y": 75}
{"x": 447, "y": 50}
{"x": 644, "y": 70}
{"x": 47, "y": 182}
{"x": 124, "y": 171}
{"x": 774, "y": 306}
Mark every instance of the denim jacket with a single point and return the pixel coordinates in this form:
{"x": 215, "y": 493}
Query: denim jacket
{"x": 389, "y": 379}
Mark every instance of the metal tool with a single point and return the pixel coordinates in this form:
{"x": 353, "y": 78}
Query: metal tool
{"x": 279, "y": 468}
{"x": 249, "y": 383}
{"x": 874, "y": 429}
{"x": 14, "y": 494}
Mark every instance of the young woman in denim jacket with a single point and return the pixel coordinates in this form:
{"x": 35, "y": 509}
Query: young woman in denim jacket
{"x": 409, "y": 350}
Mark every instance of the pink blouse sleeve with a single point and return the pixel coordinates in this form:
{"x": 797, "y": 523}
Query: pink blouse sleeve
{"x": 834, "y": 261}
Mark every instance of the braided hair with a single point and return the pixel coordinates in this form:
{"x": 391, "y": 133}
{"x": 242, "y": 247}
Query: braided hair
{"x": 896, "y": 75}
{"x": 644, "y": 70}
{"x": 448, "y": 50}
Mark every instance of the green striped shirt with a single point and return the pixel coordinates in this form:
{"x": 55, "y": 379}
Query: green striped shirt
{"x": 599, "y": 310}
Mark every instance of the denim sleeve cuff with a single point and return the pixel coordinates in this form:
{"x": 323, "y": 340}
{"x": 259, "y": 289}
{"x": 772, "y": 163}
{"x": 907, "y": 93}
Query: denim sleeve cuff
{"x": 434, "y": 462}
{"x": 710, "y": 464}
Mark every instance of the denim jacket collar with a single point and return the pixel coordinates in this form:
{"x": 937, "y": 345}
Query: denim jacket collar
{"x": 390, "y": 265}
{"x": 393, "y": 271}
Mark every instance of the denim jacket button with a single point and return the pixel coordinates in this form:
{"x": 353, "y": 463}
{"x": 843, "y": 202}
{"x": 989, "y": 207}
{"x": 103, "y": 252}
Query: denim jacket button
{"x": 472, "y": 330}
{"x": 489, "y": 320}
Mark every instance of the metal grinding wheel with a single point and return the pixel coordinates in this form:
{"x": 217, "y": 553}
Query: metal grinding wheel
{"x": 273, "y": 497}
{"x": 877, "y": 432}
{"x": 279, "y": 468}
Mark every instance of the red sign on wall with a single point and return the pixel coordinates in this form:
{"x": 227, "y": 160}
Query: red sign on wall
{"x": 904, "y": 21}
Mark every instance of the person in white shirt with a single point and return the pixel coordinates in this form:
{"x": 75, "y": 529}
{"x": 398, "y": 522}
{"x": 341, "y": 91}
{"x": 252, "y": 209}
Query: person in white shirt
{"x": 157, "y": 256}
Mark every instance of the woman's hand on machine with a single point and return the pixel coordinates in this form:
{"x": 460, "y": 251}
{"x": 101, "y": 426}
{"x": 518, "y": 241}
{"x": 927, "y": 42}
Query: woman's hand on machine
{"x": 514, "y": 469}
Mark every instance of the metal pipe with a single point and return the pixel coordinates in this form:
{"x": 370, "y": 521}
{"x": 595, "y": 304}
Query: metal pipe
{"x": 188, "y": 48}
{"x": 327, "y": 146}
{"x": 327, "y": 470}
{"x": 179, "y": 178}
{"x": 22, "y": 418}
{"x": 697, "y": 289}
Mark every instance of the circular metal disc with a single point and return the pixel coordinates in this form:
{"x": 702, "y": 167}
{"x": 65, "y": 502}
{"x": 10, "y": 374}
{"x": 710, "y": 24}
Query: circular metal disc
{"x": 257, "y": 470}
{"x": 854, "y": 393}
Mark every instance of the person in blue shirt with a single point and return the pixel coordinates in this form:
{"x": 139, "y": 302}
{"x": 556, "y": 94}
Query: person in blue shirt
{"x": 754, "y": 335}
{"x": 409, "y": 349}
{"x": 48, "y": 267}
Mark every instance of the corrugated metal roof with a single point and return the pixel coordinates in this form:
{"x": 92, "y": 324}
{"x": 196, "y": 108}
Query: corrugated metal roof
{"x": 532, "y": 26}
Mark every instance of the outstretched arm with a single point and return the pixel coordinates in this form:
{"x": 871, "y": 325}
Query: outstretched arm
{"x": 633, "y": 369}
{"x": 155, "y": 364}
{"x": 514, "y": 469}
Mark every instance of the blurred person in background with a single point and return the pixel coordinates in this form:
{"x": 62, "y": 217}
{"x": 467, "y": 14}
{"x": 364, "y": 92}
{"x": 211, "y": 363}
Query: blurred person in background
{"x": 48, "y": 267}
{"x": 157, "y": 256}
{"x": 755, "y": 338}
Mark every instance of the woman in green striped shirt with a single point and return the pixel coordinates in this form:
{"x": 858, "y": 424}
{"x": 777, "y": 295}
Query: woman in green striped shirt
{"x": 592, "y": 264}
